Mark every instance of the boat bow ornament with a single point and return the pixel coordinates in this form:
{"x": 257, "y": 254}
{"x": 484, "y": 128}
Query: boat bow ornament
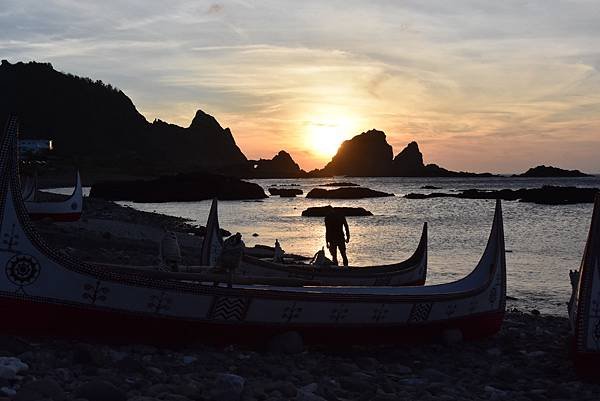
{"x": 44, "y": 292}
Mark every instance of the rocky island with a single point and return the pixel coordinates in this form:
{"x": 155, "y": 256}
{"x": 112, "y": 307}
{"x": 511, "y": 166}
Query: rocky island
{"x": 369, "y": 155}
{"x": 549, "y": 171}
{"x": 546, "y": 195}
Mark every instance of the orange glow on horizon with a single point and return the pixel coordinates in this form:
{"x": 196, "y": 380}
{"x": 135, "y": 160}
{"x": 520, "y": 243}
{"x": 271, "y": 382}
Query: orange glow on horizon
{"x": 324, "y": 135}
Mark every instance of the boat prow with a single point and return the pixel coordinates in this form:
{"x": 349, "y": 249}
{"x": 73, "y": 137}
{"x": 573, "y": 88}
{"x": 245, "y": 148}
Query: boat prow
{"x": 584, "y": 306}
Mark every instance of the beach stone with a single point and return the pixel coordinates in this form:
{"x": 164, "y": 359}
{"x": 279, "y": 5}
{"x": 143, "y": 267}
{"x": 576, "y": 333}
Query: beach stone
{"x": 367, "y": 363}
{"x": 10, "y": 367}
{"x": 188, "y": 359}
{"x": 228, "y": 387}
{"x": 452, "y": 336}
{"x": 288, "y": 343}
{"x": 42, "y": 388}
{"x": 535, "y": 312}
{"x": 402, "y": 370}
{"x": 308, "y": 396}
{"x": 100, "y": 390}
{"x": 130, "y": 364}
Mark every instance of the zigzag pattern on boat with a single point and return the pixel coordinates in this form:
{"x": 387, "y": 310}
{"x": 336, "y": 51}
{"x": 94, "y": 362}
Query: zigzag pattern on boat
{"x": 226, "y": 308}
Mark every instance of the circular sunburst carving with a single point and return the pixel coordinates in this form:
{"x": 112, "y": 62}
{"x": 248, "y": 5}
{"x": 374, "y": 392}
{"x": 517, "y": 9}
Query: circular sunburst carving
{"x": 22, "y": 270}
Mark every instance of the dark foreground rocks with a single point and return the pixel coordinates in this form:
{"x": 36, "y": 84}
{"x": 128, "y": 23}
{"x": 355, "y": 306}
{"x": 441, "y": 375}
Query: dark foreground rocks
{"x": 178, "y": 188}
{"x": 285, "y": 192}
{"x": 322, "y": 211}
{"x": 528, "y": 361}
{"x": 546, "y": 195}
{"x": 345, "y": 193}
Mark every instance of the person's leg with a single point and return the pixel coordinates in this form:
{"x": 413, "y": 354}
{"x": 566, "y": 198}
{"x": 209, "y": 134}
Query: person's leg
{"x": 333, "y": 252}
{"x": 343, "y": 253}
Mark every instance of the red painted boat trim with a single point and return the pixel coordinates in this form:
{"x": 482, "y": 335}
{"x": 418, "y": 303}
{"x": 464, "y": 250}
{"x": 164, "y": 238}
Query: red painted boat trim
{"x": 64, "y": 217}
{"x": 42, "y": 319}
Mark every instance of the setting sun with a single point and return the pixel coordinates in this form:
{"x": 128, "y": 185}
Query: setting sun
{"x": 326, "y": 135}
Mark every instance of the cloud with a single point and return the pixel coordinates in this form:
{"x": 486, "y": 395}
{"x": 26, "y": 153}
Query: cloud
{"x": 465, "y": 74}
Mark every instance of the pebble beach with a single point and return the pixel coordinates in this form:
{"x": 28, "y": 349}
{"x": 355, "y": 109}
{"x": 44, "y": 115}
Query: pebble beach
{"x": 527, "y": 360}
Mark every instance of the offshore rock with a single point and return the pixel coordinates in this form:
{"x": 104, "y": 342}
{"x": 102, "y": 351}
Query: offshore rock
{"x": 346, "y": 193}
{"x": 280, "y": 166}
{"x": 178, "y": 188}
{"x": 367, "y": 154}
{"x": 546, "y": 195}
{"x": 409, "y": 162}
{"x": 550, "y": 171}
{"x": 322, "y": 211}
{"x": 285, "y": 192}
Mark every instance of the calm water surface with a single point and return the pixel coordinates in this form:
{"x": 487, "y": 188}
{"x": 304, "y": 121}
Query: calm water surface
{"x": 543, "y": 242}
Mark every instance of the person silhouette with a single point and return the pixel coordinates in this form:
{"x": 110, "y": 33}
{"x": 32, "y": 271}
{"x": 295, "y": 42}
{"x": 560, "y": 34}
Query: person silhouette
{"x": 335, "y": 222}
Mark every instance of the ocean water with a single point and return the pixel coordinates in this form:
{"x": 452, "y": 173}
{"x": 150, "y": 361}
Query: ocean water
{"x": 543, "y": 242}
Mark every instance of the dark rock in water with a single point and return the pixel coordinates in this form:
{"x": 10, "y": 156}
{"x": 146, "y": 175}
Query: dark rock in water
{"x": 339, "y": 184}
{"x": 322, "y": 211}
{"x": 430, "y": 187}
{"x": 100, "y": 390}
{"x": 178, "y": 188}
{"x": 285, "y": 192}
{"x": 367, "y": 154}
{"x": 280, "y": 166}
{"x": 288, "y": 343}
{"x": 546, "y": 195}
{"x": 346, "y": 193}
{"x": 549, "y": 171}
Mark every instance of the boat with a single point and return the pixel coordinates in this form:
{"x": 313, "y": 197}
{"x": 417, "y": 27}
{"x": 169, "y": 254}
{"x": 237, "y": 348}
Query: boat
{"x": 69, "y": 209}
{"x": 46, "y": 292}
{"x": 411, "y": 271}
{"x": 584, "y": 306}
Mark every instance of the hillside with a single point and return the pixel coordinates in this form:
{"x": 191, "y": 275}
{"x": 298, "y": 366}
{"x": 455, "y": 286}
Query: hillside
{"x": 97, "y": 127}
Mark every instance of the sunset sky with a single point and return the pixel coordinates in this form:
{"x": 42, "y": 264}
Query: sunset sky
{"x": 494, "y": 86}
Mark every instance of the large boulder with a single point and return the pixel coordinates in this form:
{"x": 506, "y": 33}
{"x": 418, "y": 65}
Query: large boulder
{"x": 285, "y": 192}
{"x": 178, "y": 188}
{"x": 346, "y": 193}
{"x": 367, "y": 154}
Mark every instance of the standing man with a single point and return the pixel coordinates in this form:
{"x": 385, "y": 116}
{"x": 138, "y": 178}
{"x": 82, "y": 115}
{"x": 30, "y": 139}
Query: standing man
{"x": 334, "y": 235}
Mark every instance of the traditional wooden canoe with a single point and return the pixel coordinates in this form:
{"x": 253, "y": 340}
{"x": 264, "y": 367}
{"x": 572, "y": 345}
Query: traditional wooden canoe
{"x": 584, "y": 306}
{"x": 68, "y": 209}
{"x": 44, "y": 292}
{"x": 412, "y": 271}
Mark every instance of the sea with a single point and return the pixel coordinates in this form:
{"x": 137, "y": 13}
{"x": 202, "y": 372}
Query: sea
{"x": 543, "y": 242}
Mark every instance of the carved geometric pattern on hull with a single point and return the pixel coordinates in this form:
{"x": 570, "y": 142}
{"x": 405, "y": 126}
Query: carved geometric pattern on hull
{"x": 227, "y": 308}
{"x": 159, "y": 303}
{"x": 95, "y": 292}
{"x": 22, "y": 270}
{"x": 420, "y": 313}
